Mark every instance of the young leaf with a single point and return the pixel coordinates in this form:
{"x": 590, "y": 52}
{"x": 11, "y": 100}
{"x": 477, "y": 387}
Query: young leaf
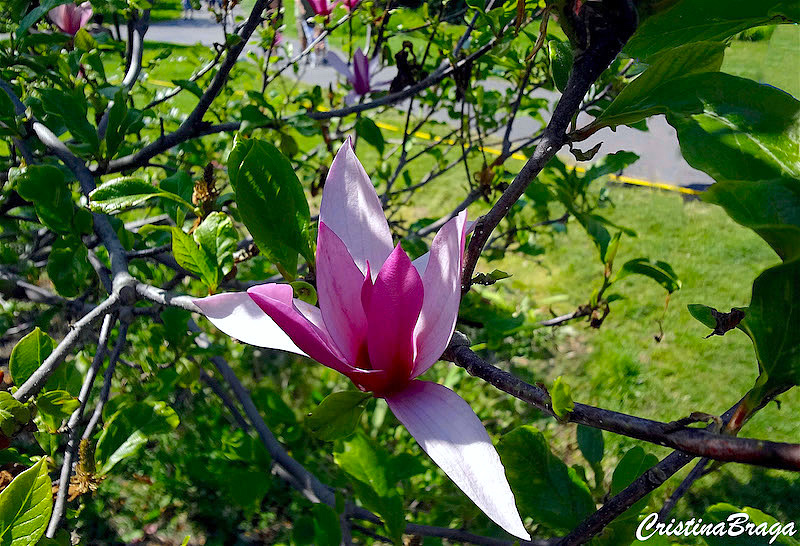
{"x": 217, "y": 238}
{"x": 545, "y": 488}
{"x": 54, "y": 407}
{"x": 28, "y": 354}
{"x": 338, "y": 415}
{"x": 13, "y": 414}
{"x": 661, "y": 272}
{"x": 271, "y": 201}
{"x": 127, "y": 192}
{"x": 560, "y": 62}
{"x": 25, "y": 506}
{"x": 126, "y": 432}
{"x": 560, "y": 398}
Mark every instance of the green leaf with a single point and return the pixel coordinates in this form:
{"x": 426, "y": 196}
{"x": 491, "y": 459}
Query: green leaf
{"x": 304, "y": 292}
{"x": 633, "y": 464}
{"x": 126, "y": 432}
{"x": 560, "y": 62}
{"x": 13, "y": 414}
{"x": 127, "y": 192}
{"x": 700, "y": 20}
{"x": 661, "y": 272}
{"x": 28, "y": 354}
{"x": 327, "y": 531}
{"x": 771, "y": 322}
{"x": 36, "y": 13}
{"x": 190, "y": 86}
{"x": 610, "y": 164}
{"x": 771, "y": 208}
{"x": 25, "y": 507}
{"x": 338, "y": 415}
{"x": 651, "y": 92}
{"x": 45, "y": 187}
{"x": 83, "y": 40}
{"x": 597, "y": 232}
{"x": 560, "y": 398}
{"x": 217, "y": 238}
{"x": 721, "y": 512}
{"x": 366, "y": 129}
{"x": 271, "y": 201}
{"x": 591, "y": 444}
{"x": 743, "y": 130}
{"x": 192, "y": 258}
{"x": 71, "y": 108}
{"x": 121, "y": 121}
{"x": 702, "y": 313}
{"x": 545, "y": 488}
{"x": 369, "y": 465}
{"x": 54, "y": 407}
{"x": 68, "y": 266}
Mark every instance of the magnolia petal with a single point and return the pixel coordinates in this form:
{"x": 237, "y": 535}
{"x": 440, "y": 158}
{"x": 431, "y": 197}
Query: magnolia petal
{"x": 86, "y": 14}
{"x": 360, "y": 72}
{"x": 338, "y": 64}
{"x": 339, "y": 285}
{"x": 442, "y": 285}
{"x": 395, "y": 301}
{"x": 452, "y": 435}
{"x": 351, "y": 208}
{"x": 276, "y": 301}
{"x": 237, "y": 315}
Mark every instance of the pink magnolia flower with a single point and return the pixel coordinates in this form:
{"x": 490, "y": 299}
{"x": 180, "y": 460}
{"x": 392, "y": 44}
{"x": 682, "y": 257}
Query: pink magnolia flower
{"x": 70, "y": 18}
{"x": 350, "y": 4}
{"x": 323, "y": 7}
{"x": 382, "y": 321}
{"x": 359, "y": 76}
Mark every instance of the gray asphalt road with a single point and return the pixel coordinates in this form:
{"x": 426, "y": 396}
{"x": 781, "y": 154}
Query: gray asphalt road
{"x": 658, "y": 148}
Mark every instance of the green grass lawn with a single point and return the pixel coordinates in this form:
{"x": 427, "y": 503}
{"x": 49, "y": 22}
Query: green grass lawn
{"x": 621, "y": 366}
{"x": 773, "y": 62}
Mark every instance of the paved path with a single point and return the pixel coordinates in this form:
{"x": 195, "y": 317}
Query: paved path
{"x": 660, "y": 156}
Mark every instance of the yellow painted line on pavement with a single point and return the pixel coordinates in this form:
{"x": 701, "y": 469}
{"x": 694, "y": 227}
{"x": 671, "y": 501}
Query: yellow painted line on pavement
{"x": 494, "y": 151}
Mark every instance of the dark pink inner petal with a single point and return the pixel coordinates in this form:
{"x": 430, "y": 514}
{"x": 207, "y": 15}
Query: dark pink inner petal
{"x": 395, "y": 301}
{"x": 339, "y": 287}
{"x": 360, "y": 72}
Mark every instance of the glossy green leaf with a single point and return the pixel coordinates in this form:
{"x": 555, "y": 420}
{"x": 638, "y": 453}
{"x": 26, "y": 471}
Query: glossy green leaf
{"x": 702, "y": 313}
{"x": 771, "y": 322}
{"x": 45, "y": 187}
{"x": 13, "y": 413}
{"x": 591, "y": 444}
{"x": 743, "y": 131}
{"x": 560, "y": 398}
{"x": 366, "y": 129}
{"x": 633, "y": 464}
{"x": 84, "y": 41}
{"x": 338, "y": 415}
{"x": 651, "y": 92}
{"x": 25, "y": 507}
{"x": 722, "y": 511}
{"x": 126, "y": 432}
{"x": 54, "y": 407}
{"x": 660, "y": 272}
{"x": 560, "y": 62}
{"x": 712, "y": 20}
{"x": 771, "y": 208}
{"x": 217, "y": 238}
{"x": 545, "y": 488}
{"x": 127, "y": 192}
{"x": 71, "y": 108}
{"x": 271, "y": 201}
{"x": 194, "y": 259}
{"x": 121, "y": 121}
{"x": 28, "y": 354}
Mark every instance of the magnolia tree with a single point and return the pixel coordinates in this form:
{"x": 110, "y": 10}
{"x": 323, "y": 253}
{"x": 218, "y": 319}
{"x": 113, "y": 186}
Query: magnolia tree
{"x": 165, "y": 237}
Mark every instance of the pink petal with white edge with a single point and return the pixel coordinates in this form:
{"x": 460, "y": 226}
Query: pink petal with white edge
{"x": 276, "y": 301}
{"x": 237, "y": 315}
{"x": 452, "y": 435}
{"x": 339, "y": 284}
{"x": 442, "y": 284}
{"x": 351, "y": 208}
{"x": 86, "y": 13}
{"x": 395, "y": 301}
